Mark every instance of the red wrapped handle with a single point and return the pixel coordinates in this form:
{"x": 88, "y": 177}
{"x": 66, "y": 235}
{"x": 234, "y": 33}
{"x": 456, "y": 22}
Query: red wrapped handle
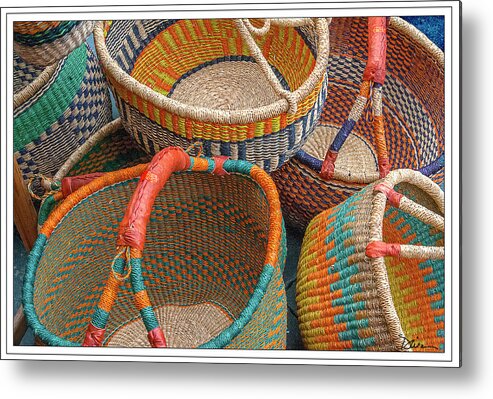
{"x": 132, "y": 230}
{"x": 377, "y": 50}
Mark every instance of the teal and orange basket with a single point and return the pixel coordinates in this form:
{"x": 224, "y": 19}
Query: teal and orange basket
{"x": 195, "y": 261}
{"x": 371, "y": 270}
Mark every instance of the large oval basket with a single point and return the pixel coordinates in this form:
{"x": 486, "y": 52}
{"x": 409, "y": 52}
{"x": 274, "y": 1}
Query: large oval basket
{"x": 412, "y": 100}
{"x": 210, "y": 274}
{"x": 371, "y": 270}
{"x": 181, "y": 81}
{"x": 56, "y": 109}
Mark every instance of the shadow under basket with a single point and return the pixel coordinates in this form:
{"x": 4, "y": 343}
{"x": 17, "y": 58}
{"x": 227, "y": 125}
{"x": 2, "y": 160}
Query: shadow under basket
{"x": 212, "y": 263}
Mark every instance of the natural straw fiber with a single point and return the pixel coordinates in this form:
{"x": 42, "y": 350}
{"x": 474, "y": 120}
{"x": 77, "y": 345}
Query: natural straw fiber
{"x": 43, "y": 43}
{"x": 413, "y": 116}
{"x": 186, "y": 326}
{"x": 371, "y": 270}
{"x": 250, "y": 90}
{"x": 56, "y": 109}
{"x": 211, "y": 266}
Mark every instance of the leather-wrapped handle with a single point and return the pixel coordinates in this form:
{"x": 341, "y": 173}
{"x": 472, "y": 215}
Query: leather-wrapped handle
{"x": 132, "y": 230}
{"x": 73, "y": 183}
{"x": 377, "y": 50}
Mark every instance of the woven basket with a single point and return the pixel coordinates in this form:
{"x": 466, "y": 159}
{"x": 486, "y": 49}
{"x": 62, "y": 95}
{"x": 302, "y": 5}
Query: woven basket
{"x": 111, "y": 148}
{"x": 210, "y": 274}
{"x": 43, "y": 43}
{"x": 371, "y": 273}
{"x": 181, "y": 81}
{"x": 56, "y": 109}
{"x": 412, "y": 100}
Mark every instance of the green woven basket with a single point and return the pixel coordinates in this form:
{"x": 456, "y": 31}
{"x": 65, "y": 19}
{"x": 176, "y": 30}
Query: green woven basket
{"x": 56, "y": 109}
{"x": 210, "y": 275}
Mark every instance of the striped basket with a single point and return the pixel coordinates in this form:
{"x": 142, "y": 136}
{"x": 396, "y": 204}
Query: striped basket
{"x": 180, "y": 81}
{"x": 111, "y": 148}
{"x": 210, "y": 274}
{"x": 412, "y": 101}
{"x": 43, "y": 43}
{"x": 371, "y": 273}
{"x": 56, "y": 109}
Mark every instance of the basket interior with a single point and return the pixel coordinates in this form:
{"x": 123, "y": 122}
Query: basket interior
{"x": 206, "y": 245}
{"x": 413, "y": 94}
{"x": 417, "y": 285}
{"x": 206, "y": 60}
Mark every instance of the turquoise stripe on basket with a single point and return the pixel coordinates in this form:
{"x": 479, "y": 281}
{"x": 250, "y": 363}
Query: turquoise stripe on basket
{"x": 53, "y": 102}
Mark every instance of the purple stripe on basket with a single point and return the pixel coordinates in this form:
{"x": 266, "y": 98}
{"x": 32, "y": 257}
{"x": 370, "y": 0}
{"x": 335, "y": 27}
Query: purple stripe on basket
{"x": 342, "y": 135}
{"x": 433, "y": 167}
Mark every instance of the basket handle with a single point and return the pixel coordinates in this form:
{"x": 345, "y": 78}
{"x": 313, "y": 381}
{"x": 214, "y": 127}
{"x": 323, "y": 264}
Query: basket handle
{"x": 131, "y": 240}
{"x": 370, "y": 95}
{"x": 246, "y": 30}
{"x": 41, "y": 186}
{"x": 384, "y": 191}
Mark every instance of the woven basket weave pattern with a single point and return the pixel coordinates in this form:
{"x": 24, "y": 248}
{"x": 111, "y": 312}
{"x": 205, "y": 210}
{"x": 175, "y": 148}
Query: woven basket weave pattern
{"x": 52, "y": 120}
{"x": 338, "y": 297}
{"x": 148, "y": 52}
{"x": 214, "y": 231}
{"x": 45, "y": 43}
{"x": 413, "y": 104}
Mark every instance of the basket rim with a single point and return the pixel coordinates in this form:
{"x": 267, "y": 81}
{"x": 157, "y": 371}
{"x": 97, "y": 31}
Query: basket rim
{"x": 272, "y": 260}
{"x": 379, "y": 268}
{"x": 37, "y": 84}
{"x": 203, "y": 114}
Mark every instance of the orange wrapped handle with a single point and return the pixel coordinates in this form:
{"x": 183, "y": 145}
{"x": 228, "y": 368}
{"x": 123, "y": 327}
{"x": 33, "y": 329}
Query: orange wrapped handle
{"x": 377, "y": 49}
{"x": 132, "y": 230}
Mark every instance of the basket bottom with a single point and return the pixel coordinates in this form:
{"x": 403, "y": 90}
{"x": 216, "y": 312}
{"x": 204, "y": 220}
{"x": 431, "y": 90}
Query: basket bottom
{"x": 183, "y": 326}
{"x": 231, "y": 85}
{"x": 357, "y": 158}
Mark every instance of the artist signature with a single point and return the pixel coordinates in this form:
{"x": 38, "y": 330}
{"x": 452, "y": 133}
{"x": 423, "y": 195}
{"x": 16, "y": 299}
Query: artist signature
{"x": 414, "y": 344}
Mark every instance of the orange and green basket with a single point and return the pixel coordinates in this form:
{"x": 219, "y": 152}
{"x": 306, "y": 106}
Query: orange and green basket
{"x": 193, "y": 263}
{"x": 371, "y": 270}
{"x": 247, "y": 89}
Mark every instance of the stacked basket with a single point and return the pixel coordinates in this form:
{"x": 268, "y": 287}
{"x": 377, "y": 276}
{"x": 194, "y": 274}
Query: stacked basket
{"x": 56, "y": 109}
{"x": 46, "y": 42}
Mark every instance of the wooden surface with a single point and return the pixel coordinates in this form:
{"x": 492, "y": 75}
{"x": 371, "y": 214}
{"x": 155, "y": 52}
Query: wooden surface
{"x": 25, "y": 220}
{"x": 25, "y": 217}
{"x": 20, "y": 325}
